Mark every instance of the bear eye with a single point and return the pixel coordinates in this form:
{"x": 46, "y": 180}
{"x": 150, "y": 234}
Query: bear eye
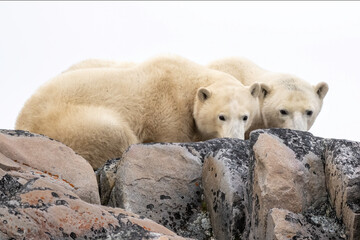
{"x": 309, "y": 113}
{"x": 245, "y": 118}
{"x": 283, "y": 112}
{"x": 222, "y": 117}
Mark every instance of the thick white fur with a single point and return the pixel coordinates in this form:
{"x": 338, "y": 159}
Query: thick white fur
{"x": 100, "y": 63}
{"x": 279, "y": 92}
{"x": 99, "y": 112}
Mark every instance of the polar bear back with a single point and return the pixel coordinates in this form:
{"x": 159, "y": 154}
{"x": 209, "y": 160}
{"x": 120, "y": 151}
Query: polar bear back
{"x": 246, "y": 71}
{"x": 99, "y": 112}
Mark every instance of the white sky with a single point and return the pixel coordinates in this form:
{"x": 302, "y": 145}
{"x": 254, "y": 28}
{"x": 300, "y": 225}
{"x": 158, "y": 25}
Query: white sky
{"x": 317, "y": 41}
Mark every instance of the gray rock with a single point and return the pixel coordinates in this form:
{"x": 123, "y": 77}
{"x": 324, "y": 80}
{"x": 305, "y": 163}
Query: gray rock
{"x": 280, "y": 184}
{"x": 106, "y": 176}
{"x": 283, "y": 224}
{"x": 224, "y": 177}
{"x": 242, "y": 182}
{"x": 161, "y": 182}
{"x": 343, "y": 182}
{"x": 170, "y": 164}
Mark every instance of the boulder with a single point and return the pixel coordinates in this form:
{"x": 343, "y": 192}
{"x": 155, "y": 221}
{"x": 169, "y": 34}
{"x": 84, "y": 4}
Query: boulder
{"x": 225, "y": 179}
{"x": 40, "y": 156}
{"x": 284, "y": 224}
{"x": 106, "y": 177}
{"x": 287, "y": 172}
{"x": 342, "y": 169}
{"x": 279, "y": 184}
{"x": 243, "y": 185}
{"x": 32, "y": 207}
{"x": 159, "y": 181}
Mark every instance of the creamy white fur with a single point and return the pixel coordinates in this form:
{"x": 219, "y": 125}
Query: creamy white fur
{"x": 280, "y": 93}
{"x": 99, "y": 112}
{"x": 100, "y": 63}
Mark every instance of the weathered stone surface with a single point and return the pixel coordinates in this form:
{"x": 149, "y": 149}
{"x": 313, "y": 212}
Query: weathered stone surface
{"x": 161, "y": 182}
{"x": 224, "y": 177}
{"x": 280, "y": 184}
{"x": 287, "y": 172}
{"x": 343, "y": 182}
{"x": 36, "y": 209}
{"x": 106, "y": 176}
{"x": 283, "y": 224}
{"x": 46, "y": 158}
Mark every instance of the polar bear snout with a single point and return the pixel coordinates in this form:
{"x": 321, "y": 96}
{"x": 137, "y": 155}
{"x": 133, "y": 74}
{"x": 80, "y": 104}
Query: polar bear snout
{"x": 233, "y": 129}
{"x": 298, "y": 121}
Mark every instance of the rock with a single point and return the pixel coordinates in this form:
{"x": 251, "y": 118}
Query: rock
{"x": 161, "y": 182}
{"x": 280, "y": 184}
{"x": 343, "y": 182}
{"x": 225, "y": 177}
{"x": 34, "y": 208}
{"x": 106, "y": 176}
{"x": 284, "y": 224}
{"x": 37, "y": 155}
{"x": 284, "y": 176}
{"x": 168, "y": 171}
{"x": 242, "y": 181}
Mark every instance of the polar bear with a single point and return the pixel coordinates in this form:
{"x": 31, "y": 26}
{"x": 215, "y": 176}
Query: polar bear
{"x": 100, "y": 63}
{"x": 99, "y": 112}
{"x": 286, "y": 101}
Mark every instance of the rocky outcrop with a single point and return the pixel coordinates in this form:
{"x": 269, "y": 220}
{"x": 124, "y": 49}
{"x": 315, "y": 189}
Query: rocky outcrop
{"x": 342, "y": 170}
{"x": 161, "y": 182}
{"x": 280, "y": 184}
{"x": 39, "y": 210}
{"x": 287, "y": 172}
{"x": 166, "y": 190}
{"x": 283, "y": 224}
{"x": 254, "y": 189}
{"x": 225, "y": 177}
{"x": 37, "y": 156}
{"x": 49, "y": 192}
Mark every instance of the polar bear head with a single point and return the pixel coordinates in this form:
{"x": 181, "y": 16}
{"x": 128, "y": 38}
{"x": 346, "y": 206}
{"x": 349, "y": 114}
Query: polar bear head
{"x": 225, "y": 110}
{"x": 289, "y": 102}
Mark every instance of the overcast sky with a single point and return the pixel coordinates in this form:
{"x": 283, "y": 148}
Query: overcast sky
{"x": 317, "y": 41}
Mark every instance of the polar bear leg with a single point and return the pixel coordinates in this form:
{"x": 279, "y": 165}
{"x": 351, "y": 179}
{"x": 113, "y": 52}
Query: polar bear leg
{"x": 96, "y": 133}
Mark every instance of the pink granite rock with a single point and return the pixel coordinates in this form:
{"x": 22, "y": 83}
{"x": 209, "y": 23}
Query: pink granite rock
{"x": 282, "y": 180}
{"x": 34, "y": 207}
{"x": 38, "y": 155}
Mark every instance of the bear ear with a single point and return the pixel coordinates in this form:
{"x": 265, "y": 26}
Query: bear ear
{"x": 265, "y": 90}
{"x": 321, "y": 89}
{"x": 255, "y": 90}
{"x": 203, "y": 94}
